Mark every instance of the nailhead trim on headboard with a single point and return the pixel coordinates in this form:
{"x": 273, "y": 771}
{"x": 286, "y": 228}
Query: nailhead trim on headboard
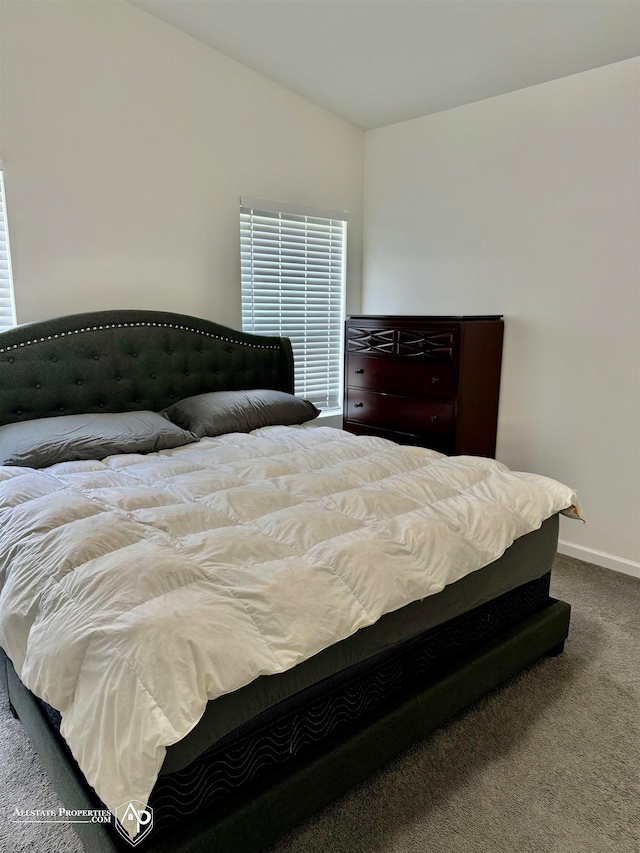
{"x": 124, "y": 325}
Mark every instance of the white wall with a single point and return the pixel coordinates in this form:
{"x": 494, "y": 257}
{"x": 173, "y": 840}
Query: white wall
{"x": 527, "y": 205}
{"x": 126, "y": 146}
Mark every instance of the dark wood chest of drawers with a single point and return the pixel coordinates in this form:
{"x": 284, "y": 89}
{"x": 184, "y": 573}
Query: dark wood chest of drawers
{"x": 429, "y": 381}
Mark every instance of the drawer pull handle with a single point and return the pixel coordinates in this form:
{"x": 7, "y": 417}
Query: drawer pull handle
{"x": 359, "y": 370}
{"x": 434, "y": 418}
{"x": 358, "y": 405}
{"x": 434, "y": 380}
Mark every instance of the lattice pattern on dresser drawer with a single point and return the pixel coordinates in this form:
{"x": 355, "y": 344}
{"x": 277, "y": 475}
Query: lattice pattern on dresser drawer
{"x": 371, "y": 340}
{"x": 426, "y": 344}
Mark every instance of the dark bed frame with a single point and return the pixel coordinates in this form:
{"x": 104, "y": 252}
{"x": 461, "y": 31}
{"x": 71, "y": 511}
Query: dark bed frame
{"x": 116, "y": 361}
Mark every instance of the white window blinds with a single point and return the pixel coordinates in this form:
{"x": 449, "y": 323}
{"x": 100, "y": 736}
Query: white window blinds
{"x": 293, "y": 284}
{"x": 7, "y": 309}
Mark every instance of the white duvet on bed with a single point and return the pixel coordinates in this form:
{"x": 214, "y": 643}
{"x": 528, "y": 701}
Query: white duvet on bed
{"x": 136, "y": 589}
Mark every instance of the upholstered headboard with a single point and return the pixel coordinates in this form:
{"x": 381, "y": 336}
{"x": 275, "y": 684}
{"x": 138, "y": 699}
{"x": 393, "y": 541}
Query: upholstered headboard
{"x": 119, "y": 361}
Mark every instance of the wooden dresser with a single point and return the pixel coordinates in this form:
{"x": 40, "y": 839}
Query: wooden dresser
{"x": 429, "y": 381}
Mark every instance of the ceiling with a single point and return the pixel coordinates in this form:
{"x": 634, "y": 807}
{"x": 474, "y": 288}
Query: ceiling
{"x": 377, "y": 62}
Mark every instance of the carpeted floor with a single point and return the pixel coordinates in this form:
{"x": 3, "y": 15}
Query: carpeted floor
{"x": 549, "y": 763}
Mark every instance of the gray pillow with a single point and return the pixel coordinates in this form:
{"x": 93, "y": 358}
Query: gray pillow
{"x": 43, "y": 442}
{"x": 239, "y": 411}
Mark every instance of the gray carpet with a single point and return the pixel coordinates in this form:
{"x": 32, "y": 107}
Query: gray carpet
{"x": 546, "y": 764}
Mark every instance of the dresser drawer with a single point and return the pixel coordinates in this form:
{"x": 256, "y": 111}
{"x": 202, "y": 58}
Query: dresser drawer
{"x": 425, "y": 344}
{"x": 378, "y": 341}
{"x": 442, "y": 443}
{"x": 401, "y": 377}
{"x": 407, "y": 414}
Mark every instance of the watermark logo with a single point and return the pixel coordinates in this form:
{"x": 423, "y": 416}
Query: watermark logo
{"x": 134, "y": 821}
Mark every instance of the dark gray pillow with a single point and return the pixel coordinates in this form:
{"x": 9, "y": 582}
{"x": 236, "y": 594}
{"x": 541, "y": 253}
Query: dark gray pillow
{"x": 43, "y": 442}
{"x": 239, "y": 411}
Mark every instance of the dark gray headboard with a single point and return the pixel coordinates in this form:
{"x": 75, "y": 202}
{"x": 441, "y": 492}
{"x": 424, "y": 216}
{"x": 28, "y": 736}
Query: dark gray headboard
{"x": 119, "y": 361}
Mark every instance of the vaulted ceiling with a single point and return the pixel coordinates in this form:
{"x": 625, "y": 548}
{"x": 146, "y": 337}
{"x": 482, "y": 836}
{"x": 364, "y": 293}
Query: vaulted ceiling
{"x": 377, "y": 62}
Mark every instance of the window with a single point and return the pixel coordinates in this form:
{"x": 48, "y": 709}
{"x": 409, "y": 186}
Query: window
{"x": 293, "y": 263}
{"x": 7, "y": 308}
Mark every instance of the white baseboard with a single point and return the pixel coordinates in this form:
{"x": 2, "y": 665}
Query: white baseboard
{"x": 600, "y": 558}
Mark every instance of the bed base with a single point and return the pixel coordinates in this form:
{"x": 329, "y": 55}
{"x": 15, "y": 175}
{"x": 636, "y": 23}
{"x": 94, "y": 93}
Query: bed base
{"x": 253, "y": 820}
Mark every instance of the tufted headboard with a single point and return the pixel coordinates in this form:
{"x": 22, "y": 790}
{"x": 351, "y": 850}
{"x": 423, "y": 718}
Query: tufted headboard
{"x": 119, "y": 361}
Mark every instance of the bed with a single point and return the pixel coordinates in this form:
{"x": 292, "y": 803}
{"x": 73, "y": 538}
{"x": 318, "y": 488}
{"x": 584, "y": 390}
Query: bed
{"x": 327, "y": 694}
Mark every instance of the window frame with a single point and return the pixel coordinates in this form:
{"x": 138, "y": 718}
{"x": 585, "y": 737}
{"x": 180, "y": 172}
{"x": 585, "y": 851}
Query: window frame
{"x": 9, "y": 313}
{"x": 278, "y": 268}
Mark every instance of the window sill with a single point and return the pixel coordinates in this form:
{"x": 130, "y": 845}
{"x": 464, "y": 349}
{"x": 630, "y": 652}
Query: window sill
{"x": 329, "y": 418}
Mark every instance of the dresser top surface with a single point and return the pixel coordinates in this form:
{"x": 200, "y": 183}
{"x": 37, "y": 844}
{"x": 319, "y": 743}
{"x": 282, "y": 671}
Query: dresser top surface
{"x": 431, "y": 318}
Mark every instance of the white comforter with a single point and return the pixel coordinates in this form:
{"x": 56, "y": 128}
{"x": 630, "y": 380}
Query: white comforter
{"x": 136, "y": 589}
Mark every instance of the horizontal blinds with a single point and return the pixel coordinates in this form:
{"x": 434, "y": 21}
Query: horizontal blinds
{"x": 293, "y": 276}
{"x": 7, "y": 311}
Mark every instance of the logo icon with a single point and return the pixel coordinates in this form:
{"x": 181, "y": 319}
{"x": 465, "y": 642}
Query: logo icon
{"x": 134, "y": 821}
